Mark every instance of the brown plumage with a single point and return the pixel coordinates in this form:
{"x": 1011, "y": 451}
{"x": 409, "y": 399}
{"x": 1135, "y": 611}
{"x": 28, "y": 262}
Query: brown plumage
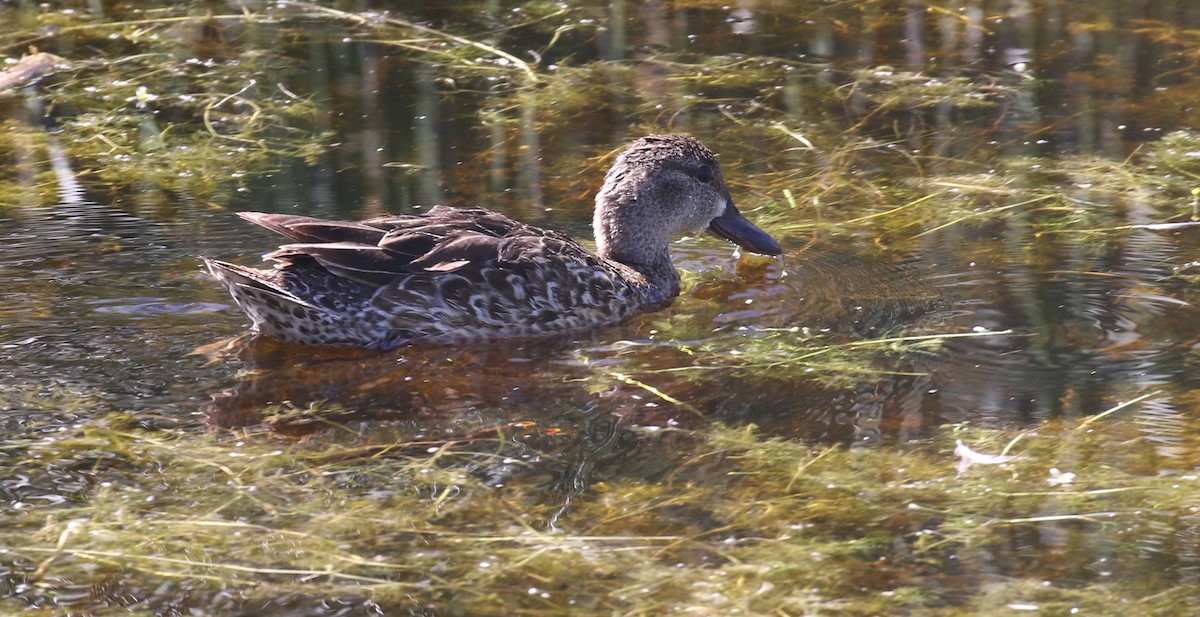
{"x": 458, "y": 273}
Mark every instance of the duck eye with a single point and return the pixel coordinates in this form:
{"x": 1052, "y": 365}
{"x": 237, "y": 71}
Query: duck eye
{"x": 704, "y": 174}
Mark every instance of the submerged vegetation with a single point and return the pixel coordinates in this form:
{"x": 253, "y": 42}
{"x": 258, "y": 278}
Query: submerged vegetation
{"x": 743, "y": 524}
{"x": 988, "y": 242}
{"x": 188, "y": 102}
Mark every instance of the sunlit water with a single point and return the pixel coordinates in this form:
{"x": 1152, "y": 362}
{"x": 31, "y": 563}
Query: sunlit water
{"x": 105, "y": 299}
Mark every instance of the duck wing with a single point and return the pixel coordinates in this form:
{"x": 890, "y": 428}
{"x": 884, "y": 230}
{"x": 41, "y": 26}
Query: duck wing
{"x": 458, "y": 272}
{"x": 501, "y": 287}
{"x": 376, "y": 251}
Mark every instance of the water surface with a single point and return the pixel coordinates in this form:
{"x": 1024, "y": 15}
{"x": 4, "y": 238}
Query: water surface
{"x": 1015, "y": 181}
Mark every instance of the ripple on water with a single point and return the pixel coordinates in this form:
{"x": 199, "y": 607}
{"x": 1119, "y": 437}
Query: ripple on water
{"x": 103, "y": 301}
{"x": 1090, "y": 326}
{"x": 155, "y": 306}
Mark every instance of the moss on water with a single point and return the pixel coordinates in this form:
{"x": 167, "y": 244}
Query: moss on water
{"x": 745, "y": 525}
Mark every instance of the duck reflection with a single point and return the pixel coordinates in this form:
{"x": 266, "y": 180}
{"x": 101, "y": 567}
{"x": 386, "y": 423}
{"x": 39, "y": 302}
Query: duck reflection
{"x": 411, "y": 382}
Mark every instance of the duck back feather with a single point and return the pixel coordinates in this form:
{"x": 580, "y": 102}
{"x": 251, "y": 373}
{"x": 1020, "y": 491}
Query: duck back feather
{"x": 452, "y": 274}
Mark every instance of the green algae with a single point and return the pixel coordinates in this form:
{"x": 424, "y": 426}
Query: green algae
{"x": 745, "y": 524}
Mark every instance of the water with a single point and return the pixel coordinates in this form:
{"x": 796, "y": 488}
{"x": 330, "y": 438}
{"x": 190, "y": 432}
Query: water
{"x": 1013, "y": 121}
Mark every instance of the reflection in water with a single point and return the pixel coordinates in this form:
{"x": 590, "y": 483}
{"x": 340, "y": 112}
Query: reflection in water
{"x": 411, "y": 382}
{"x": 547, "y": 427}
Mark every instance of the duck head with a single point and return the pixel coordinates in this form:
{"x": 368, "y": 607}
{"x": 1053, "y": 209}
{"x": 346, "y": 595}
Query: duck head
{"x": 662, "y": 187}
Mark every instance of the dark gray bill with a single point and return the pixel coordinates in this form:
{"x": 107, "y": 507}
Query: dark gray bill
{"x": 734, "y": 227}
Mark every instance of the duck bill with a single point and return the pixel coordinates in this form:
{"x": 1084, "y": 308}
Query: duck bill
{"x": 734, "y": 227}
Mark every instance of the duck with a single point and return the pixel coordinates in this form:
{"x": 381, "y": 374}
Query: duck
{"x": 457, "y": 274}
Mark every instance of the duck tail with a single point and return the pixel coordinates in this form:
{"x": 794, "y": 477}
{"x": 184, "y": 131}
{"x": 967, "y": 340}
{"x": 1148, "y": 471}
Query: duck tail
{"x": 264, "y": 301}
{"x": 234, "y": 277}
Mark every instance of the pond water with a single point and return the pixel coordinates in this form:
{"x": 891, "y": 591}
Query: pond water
{"x": 986, "y": 211}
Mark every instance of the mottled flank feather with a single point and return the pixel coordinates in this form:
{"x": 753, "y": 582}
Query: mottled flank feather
{"x": 458, "y": 274}
{"x": 453, "y": 274}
